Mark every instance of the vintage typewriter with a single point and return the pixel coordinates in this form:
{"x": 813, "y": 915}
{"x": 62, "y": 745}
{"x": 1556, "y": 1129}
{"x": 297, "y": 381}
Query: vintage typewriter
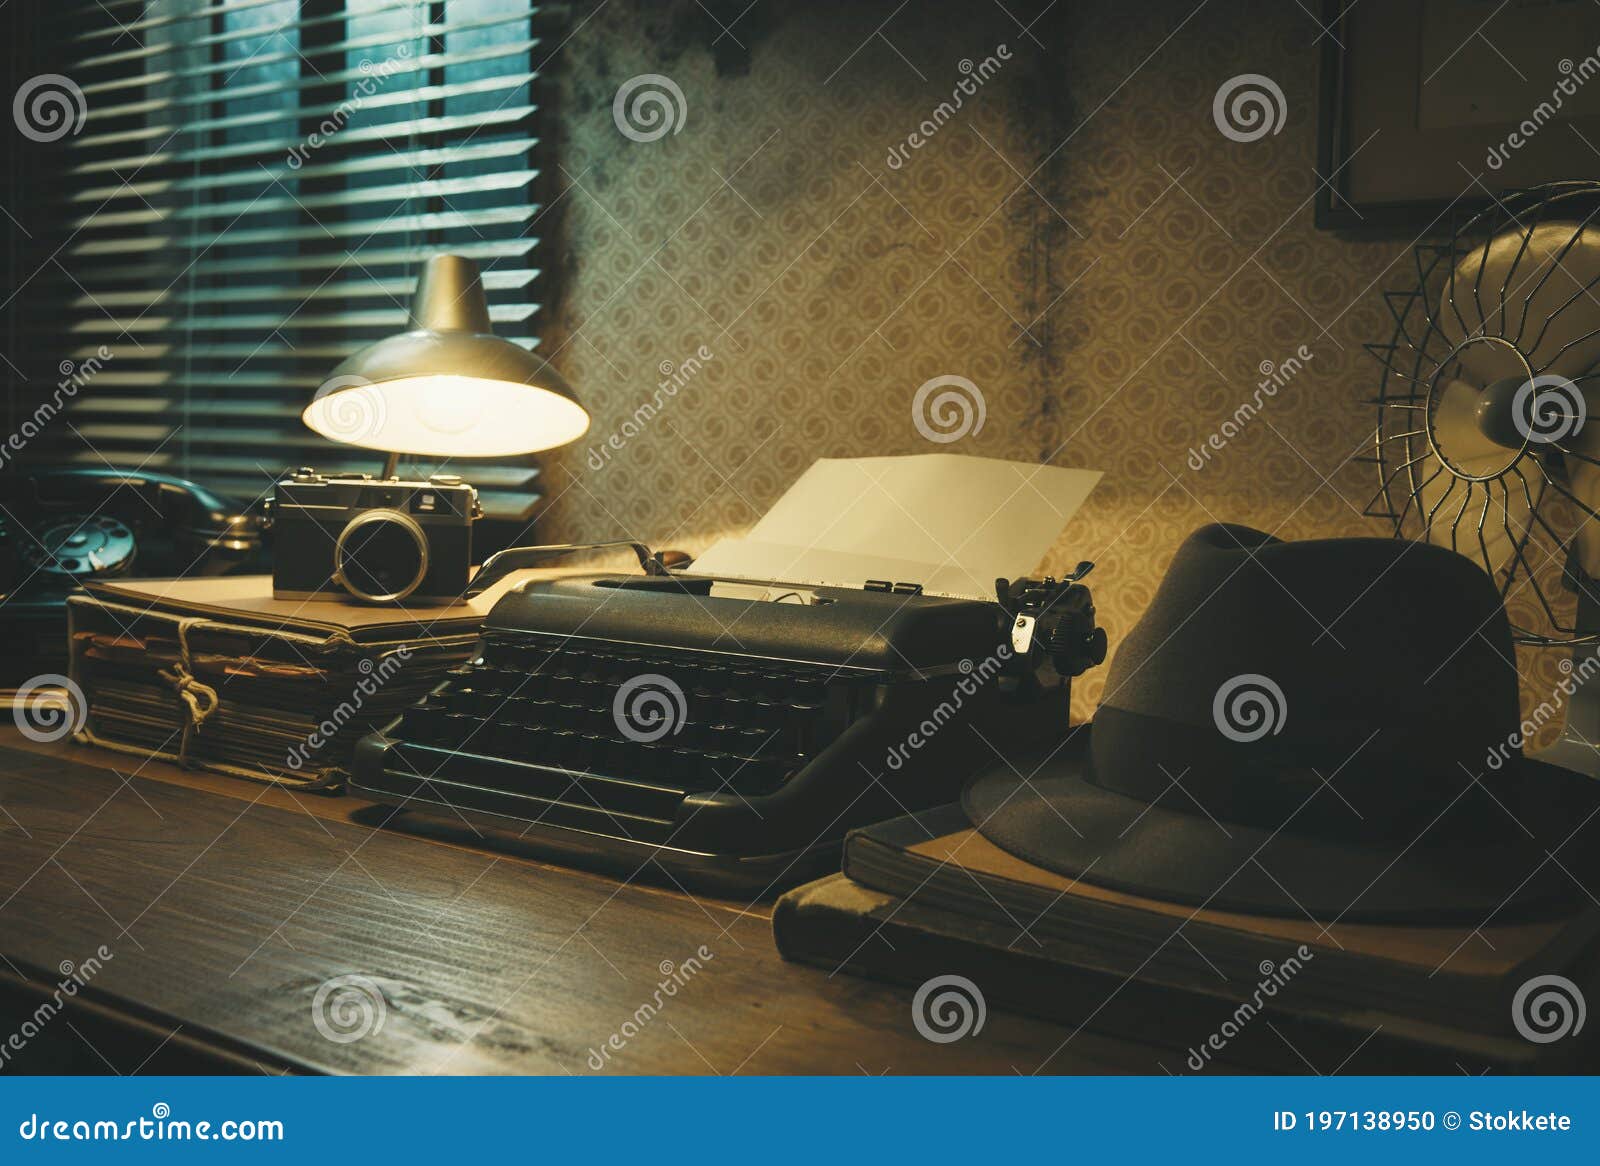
{"x": 628, "y": 721}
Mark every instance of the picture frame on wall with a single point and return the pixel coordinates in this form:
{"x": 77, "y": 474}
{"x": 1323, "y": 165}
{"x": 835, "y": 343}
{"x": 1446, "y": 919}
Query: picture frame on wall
{"x": 1431, "y": 105}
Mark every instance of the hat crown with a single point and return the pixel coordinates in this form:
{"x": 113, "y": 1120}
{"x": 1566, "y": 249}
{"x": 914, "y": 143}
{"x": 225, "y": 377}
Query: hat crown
{"x": 1264, "y": 671}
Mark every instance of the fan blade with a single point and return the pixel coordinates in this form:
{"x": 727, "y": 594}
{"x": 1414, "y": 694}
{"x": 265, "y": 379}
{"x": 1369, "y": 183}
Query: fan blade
{"x": 1582, "y": 474}
{"x": 1477, "y": 519}
{"x": 1453, "y": 507}
{"x": 1583, "y": 480}
{"x": 1536, "y": 288}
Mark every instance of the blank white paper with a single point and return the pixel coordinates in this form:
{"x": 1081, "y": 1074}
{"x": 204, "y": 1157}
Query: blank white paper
{"x": 953, "y": 523}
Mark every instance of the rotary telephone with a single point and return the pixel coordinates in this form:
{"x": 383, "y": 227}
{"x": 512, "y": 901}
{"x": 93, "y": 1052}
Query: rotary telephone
{"x": 60, "y": 528}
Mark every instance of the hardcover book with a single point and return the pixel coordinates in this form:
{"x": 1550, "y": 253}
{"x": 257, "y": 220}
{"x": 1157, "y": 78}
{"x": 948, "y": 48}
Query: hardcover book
{"x": 926, "y": 895}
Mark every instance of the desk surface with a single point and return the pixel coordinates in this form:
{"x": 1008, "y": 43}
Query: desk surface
{"x": 226, "y": 908}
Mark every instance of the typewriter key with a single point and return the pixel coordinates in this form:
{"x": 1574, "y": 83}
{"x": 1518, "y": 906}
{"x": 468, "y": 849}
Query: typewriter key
{"x": 424, "y": 723}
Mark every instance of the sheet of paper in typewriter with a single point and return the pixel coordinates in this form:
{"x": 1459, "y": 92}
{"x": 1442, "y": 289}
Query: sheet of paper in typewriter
{"x": 950, "y": 522}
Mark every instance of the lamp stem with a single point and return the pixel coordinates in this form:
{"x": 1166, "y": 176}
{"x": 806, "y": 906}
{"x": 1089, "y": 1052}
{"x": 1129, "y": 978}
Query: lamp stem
{"x": 391, "y": 466}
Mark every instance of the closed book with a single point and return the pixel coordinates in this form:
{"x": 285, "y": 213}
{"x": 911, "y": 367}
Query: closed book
{"x": 1218, "y": 1026}
{"x": 930, "y": 883}
{"x": 1460, "y": 975}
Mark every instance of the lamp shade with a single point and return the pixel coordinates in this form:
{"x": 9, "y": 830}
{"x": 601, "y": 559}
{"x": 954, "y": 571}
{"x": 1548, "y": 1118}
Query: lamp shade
{"x": 448, "y": 387}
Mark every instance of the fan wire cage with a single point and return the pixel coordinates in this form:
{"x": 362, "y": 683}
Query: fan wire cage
{"x": 1503, "y": 319}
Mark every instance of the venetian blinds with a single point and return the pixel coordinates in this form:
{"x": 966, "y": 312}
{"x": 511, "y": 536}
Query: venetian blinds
{"x": 251, "y": 192}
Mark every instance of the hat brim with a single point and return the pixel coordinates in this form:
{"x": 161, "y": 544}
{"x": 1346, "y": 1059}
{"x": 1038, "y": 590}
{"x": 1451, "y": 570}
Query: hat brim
{"x": 1058, "y": 819}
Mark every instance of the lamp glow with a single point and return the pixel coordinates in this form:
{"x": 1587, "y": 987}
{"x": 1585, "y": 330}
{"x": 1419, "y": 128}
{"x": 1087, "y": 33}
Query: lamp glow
{"x": 448, "y": 387}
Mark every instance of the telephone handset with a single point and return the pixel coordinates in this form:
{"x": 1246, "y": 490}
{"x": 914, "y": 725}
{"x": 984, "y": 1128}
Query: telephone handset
{"x": 62, "y": 527}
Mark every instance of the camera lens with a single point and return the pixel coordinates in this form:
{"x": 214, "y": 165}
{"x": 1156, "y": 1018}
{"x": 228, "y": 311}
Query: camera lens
{"x": 381, "y": 556}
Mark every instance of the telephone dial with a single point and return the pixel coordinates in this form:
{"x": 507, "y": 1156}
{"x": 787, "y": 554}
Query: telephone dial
{"x": 60, "y": 528}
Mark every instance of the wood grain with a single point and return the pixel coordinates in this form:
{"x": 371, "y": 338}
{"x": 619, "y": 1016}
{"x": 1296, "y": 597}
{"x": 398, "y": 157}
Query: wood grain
{"x": 226, "y": 907}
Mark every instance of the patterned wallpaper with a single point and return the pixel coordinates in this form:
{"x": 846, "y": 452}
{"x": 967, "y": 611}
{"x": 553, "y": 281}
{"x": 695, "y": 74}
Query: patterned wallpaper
{"x": 773, "y": 282}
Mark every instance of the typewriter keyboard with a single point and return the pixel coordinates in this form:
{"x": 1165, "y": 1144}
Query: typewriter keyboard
{"x": 612, "y": 737}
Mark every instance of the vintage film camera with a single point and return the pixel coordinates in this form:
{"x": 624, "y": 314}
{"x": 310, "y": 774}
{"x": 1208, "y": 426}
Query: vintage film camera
{"x": 372, "y": 540}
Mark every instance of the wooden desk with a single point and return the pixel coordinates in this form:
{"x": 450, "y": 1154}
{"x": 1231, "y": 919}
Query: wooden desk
{"x": 226, "y": 906}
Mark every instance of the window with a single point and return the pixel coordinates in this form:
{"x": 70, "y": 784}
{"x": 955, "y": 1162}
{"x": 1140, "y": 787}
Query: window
{"x": 248, "y": 201}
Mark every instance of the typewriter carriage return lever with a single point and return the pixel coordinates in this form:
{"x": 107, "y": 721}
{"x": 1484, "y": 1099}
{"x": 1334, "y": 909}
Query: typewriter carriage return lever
{"x": 502, "y": 563}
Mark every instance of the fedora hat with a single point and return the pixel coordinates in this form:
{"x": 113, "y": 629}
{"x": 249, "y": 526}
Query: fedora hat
{"x": 1326, "y": 728}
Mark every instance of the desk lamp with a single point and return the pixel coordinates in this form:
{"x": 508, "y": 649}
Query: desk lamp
{"x": 447, "y": 387}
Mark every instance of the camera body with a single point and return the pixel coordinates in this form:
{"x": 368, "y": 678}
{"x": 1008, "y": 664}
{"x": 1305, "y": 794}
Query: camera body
{"x": 372, "y": 540}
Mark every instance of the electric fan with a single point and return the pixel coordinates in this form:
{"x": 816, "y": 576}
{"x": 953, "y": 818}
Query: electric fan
{"x": 1484, "y": 439}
